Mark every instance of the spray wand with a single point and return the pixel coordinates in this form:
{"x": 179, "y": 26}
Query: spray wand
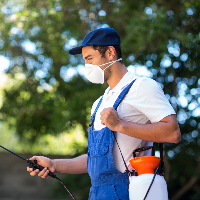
{"x": 34, "y": 166}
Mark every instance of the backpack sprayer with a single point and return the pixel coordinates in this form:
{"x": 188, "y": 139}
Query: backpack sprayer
{"x": 34, "y": 166}
{"x": 145, "y": 184}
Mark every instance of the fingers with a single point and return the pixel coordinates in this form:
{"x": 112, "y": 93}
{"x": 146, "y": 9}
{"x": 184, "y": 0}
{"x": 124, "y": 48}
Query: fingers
{"x": 33, "y": 158}
{"x": 29, "y": 169}
{"x": 32, "y": 172}
{"x": 107, "y": 110}
{"x": 105, "y": 113}
{"x": 110, "y": 118}
{"x": 43, "y": 173}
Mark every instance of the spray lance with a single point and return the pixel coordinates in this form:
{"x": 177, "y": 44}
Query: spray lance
{"x": 34, "y": 165}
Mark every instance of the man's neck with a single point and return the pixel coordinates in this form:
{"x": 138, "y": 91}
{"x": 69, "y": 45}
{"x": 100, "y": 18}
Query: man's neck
{"x": 118, "y": 71}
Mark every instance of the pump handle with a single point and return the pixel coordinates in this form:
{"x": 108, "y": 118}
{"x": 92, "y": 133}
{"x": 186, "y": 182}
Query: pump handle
{"x": 143, "y": 149}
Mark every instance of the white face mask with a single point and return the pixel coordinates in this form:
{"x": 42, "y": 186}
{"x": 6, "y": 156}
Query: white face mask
{"x": 94, "y": 73}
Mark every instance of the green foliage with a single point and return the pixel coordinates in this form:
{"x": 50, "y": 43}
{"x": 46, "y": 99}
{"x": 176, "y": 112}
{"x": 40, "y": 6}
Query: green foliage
{"x": 66, "y": 143}
{"x": 44, "y": 103}
{"x": 162, "y": 35}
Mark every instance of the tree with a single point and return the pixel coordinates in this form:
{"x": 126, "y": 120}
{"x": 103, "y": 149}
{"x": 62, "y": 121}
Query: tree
{"x": 161, "y": 35}
{"x": 43, "y": 97}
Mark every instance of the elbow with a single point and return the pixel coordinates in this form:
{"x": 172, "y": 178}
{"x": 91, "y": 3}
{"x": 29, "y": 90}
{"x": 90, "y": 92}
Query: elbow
{"x": 173, "y": 133}
{"x": 176, "y": 136}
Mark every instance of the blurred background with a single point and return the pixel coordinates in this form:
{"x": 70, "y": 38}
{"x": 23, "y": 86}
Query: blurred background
{"x": 45, "y": 101}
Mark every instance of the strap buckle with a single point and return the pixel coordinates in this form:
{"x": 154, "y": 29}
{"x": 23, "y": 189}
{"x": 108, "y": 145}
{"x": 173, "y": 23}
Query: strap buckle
{"x": 92, "y": 120}
{"x": 131, "y": 173}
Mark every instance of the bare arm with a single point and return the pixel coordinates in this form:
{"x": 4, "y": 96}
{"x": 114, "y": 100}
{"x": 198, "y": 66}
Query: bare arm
{"x": 166, "y": 130}
{"x": 76, "y": 165}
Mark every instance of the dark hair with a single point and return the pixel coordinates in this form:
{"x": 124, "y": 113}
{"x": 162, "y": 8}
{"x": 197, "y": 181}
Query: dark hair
{"x": 102, "y": 50}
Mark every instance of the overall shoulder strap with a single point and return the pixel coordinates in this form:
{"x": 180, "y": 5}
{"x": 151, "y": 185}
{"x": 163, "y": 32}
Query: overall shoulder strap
{"x": 93, "y": 115}
{"x": 99, "y": 103}
{"x": 116, "y": 104}
{"x": 122, "y": 95}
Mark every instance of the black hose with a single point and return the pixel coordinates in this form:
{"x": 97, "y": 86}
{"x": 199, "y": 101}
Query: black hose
{"x": 66, "y": 188}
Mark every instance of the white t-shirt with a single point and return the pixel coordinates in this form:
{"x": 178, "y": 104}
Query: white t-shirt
{"x": 145, "y": 103}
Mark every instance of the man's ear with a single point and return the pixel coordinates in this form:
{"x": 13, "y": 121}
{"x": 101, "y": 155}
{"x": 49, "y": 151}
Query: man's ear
{"x": 111, "y": 53}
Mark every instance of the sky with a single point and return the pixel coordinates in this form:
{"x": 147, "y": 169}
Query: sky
{"x": 4, "y": 64}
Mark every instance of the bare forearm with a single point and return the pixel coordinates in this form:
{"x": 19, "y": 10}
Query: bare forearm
{"x": 76, "y": 165}
{"x": 166, "y": 130}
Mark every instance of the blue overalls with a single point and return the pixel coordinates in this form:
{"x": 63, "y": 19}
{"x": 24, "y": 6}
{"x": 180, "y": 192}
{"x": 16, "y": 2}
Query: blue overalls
{"x": 107, "y": 182}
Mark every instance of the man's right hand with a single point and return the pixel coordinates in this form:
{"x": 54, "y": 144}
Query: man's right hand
{"x": 44, "y": 162}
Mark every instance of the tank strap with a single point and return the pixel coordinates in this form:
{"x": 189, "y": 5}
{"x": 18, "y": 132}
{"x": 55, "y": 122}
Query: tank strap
{"x": 130, "y": 173}
{"x": 115, "y": 106}
{"x": 161, "y": 166}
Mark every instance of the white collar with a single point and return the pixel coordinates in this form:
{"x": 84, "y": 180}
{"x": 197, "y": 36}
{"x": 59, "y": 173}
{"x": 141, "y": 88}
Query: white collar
{"x": 121, "y": 85}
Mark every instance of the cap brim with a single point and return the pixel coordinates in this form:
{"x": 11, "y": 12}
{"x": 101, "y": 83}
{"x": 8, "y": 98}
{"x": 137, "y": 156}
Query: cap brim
{"x": 76, "y": 50}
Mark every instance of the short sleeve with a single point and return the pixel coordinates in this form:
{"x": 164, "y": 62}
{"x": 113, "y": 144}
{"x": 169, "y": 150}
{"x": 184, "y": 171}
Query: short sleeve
{"x": 151, "y": 101}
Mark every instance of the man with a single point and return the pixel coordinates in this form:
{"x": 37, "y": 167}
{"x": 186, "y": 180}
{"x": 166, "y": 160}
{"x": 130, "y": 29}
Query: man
{"x": 144, "y": 116}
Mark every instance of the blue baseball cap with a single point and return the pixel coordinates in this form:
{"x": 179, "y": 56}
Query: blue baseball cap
{"x": 102, "y": 36}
